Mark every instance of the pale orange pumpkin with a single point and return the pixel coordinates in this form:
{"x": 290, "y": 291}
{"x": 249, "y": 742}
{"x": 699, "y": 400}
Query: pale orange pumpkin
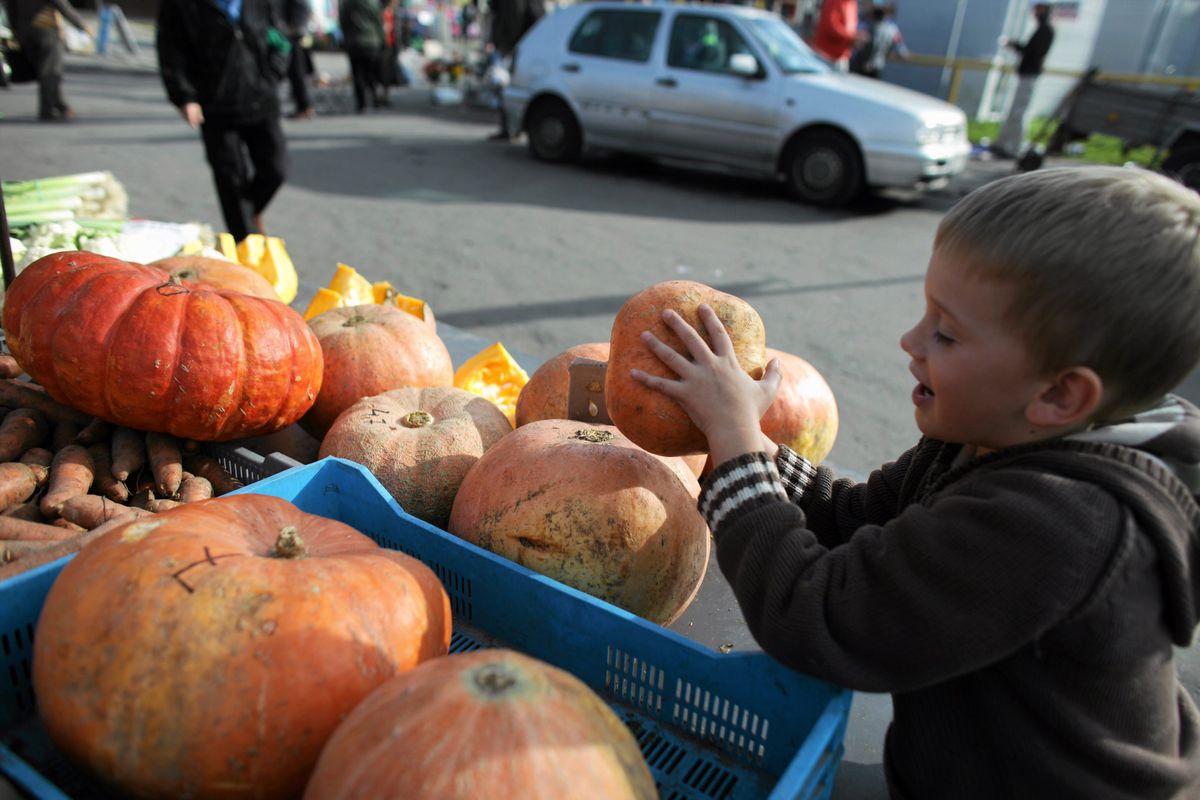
{"x": 485, "y": 724}
{"x": 585, "y": 506}
{"x": 370, "y": 349}
{"x": 648, "y": 417}
{"x": 209, "y": 651}
{"x": 545, "y": 395}
{"x": 804, "y": 414}
{"x": 419, "y": 443}
{"x": 217, "y": 273}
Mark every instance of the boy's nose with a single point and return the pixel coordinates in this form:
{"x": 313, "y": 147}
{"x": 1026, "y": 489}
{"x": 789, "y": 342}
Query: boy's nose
{"x": 908, "y": 340}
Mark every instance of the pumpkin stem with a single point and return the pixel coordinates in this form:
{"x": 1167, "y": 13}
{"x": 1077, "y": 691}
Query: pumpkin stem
{"x": 356, "y": 320}
{"x": 494, "y": 680}
{"x": 593, "y": 435}
{"x": 417, "y": 419}
{"x": 289, "y": 544}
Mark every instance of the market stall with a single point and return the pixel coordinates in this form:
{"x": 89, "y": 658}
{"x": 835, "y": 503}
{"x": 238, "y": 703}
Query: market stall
{"x": 709, "y": 714}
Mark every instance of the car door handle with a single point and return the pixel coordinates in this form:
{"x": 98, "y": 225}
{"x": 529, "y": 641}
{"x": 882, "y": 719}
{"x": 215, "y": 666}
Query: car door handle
{"x": 570, "y": 67}
{"x": 668, "y": 82}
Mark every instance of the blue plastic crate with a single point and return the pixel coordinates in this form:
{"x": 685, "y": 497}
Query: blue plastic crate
{"x": 710, "y": 725}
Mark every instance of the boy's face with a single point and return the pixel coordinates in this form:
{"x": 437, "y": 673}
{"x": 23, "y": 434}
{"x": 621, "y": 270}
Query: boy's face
{"x": 975, "y": 377}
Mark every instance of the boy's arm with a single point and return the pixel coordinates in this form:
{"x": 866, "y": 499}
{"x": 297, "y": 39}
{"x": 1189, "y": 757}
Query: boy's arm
{"x": 172, "y": 55}
{"x": 943, "y": 589}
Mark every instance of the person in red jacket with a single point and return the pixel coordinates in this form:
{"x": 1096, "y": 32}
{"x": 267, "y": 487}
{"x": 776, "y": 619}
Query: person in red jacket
{"x": 837, "y": 32}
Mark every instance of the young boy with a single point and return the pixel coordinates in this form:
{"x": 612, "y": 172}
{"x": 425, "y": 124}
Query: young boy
{"x": 1017, "y": 580}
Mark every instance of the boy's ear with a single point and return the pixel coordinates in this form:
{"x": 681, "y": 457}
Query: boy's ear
{"x": 1071, "y": 398}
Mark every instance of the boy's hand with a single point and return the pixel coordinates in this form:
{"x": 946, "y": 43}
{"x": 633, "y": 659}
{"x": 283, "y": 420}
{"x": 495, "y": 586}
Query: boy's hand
{"x": 724, "y": 402}
{"x": 192, "y": 114}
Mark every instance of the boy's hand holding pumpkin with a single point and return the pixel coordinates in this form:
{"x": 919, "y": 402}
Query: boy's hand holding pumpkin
{"x": 724, "y": 402}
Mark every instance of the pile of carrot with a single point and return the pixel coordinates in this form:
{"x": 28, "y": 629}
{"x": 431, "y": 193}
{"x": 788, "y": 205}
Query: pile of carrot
{"x": 65, "y": 476}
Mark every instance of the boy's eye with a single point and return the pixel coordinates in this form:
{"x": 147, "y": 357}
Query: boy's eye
{"x": 941, "y": 338}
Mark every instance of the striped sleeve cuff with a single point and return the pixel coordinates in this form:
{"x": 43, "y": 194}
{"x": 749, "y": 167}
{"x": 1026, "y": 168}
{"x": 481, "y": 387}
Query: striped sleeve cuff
{"x": 796, "y": 473}
{"x": 738, "y": 485}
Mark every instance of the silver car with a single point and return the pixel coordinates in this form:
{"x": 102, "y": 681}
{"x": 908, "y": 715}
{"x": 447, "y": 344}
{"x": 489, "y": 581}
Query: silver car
{"x": 721, "y": 86}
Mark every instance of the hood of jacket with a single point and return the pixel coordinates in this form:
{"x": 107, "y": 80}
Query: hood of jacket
{"x": 1157, "y": 453}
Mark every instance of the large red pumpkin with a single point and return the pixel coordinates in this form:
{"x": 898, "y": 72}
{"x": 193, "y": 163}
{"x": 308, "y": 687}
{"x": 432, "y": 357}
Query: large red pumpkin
{"x": 419, "y": 443}
{"x": 370, "y": 349}
{"x": 210, "y": 651}
{"x": 485, "y": 724}
{"x": 216, "y": 273}
{"x": 648, "y": 417}
{"x": 585, "y": 506}
{"x": 545, "y": 395}
{"x": 804, "y": 414}
{"x": 122, "y": 342}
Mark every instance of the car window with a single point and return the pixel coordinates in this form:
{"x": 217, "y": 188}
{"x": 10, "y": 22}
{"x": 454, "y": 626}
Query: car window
{"x": 785, "y": 47}
{"x": 627, "y": 35}
{"x": 703, "y": 43}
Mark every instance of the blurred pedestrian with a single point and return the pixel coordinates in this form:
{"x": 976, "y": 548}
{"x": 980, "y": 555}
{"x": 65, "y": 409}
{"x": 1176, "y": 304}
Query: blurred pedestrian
{"x": 510, "y": 19}
{"x": 363, "y": 40}
{"x": 879, "y": 40}
{"x": 296, "y": 16}
{"x": 1033, "y": 57}
{"x": 837, "y": 32}
{"x": 390, "y": 72}
{"x": 37, "y": 25}
{"x": 220, "y": 65}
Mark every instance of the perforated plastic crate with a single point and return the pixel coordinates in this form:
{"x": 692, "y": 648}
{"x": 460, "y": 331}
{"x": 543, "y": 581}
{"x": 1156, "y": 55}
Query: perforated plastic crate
{"x": 710, "y": 725}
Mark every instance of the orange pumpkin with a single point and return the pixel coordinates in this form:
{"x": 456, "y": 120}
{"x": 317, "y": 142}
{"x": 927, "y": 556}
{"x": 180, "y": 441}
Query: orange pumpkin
{"x": 804, "y": 414}
{"x": 217, "y": 273}
{"x": 585, "y": 506}
{"x": 485, "y": 724}
{"x": 210, "y": 651}
{"x": 370, "y": 349}
{"x": 545, "y": 395}
{"x": 419, "y": 443}
{"x": 122, "y": 342}
{"x": 648, "y": 417}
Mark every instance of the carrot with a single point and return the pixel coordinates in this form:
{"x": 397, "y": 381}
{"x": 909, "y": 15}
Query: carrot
{"x": 22, "y": 530}
{"x": 27, "y": 511}
{"x": 208, "y": 467}
{"x": 195, "y": 488}
{"x": 190, "y": 446}
{"x": 65, "y": 432}
{"x": 24, "y": 394}
{"x": 104, "y": 482}
{"x": 71, "y": 474}
{"x": 98, "y": 430}
{"x": 11, "y": 551}
{"x": 37, "y": 455}
{"x": 22, "y": 429}
{"x": 166, "y": 462}
{"x": 142, "y": 498}
{"x": 92, "y": 510}
{"x": 9, "y": 368}
{"x": 158, "y": 506}
{"x": 17, "y": 484}
{"x": 128, "y": 452}
{"x": 67, "y": 525}
{"x": 64, "y": 548}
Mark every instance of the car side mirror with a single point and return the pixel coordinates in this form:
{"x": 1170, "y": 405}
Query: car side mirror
{"x": 744, "y": 64}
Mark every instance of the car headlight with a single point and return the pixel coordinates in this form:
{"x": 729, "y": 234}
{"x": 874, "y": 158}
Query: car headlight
{"x": 939, "y": 134}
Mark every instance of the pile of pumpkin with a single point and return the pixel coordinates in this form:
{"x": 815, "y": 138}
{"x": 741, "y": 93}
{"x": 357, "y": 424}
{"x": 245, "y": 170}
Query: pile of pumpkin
{"x": 236, "y": 645}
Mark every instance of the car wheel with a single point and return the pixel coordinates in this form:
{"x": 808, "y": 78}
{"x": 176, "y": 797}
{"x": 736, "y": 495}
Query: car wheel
{"x": 825, "y": 168}
{"x": 1184, "y": 167}
{"x": 554, "y": 134}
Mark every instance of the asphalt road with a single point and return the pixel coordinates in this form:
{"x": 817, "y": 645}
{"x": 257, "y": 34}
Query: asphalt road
{"x": 541, "y": 257}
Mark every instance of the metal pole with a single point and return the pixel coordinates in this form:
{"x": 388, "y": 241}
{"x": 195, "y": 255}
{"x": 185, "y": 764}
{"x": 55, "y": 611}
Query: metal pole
{"x": 952, "y": 45}
{"x": 6, "y": 258}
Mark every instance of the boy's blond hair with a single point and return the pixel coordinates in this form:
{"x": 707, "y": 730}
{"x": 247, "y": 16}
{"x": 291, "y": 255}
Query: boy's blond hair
{"x": 1105, "y": 263}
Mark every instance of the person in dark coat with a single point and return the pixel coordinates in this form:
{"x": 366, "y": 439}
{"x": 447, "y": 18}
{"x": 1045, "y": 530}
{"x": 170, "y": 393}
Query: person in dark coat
{"x": 1033, "y": 56}
{"x": 510, "y": 20}
{"x": 218, "y": 69}
{"x": 363, "y": 41}
{"x": 296, "y": 15}
{"x": 36, "y": 26}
